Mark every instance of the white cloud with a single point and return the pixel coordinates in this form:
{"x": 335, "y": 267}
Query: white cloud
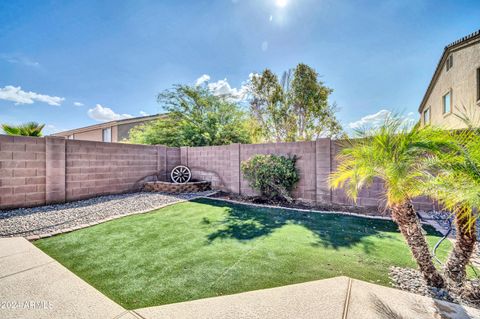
{"x": 17, "y": 95}
{"x": 204, "y": 78}
{"x": 104, "y": 114}
{"x": 222, "y": 88}
{"x": 142, "y": 113}
{"x": 15, "y": 59}
{"x": 374, "y": 120}
{"x": 370, "y": 120}
{"x": 78, "y": 103}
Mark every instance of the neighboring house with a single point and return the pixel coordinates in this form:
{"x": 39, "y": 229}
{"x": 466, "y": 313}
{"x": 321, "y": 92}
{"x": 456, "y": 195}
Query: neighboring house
{"x": 114, "y": 131}
{"x": 455, "y": 85}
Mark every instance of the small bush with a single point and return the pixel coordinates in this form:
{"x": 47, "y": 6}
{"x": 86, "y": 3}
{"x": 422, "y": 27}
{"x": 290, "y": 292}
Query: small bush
{"x": 272, "y": 175}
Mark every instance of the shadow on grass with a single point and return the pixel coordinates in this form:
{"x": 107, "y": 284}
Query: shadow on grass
{"x": 331, "y": 230}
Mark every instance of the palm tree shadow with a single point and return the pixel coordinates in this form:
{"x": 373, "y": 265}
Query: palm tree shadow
{"x": 332, "y": 230}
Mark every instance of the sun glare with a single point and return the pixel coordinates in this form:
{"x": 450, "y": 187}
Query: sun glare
{"x": 281, "y": 3}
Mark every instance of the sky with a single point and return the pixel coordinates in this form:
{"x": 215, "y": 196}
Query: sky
{"x": 70, "y": 64}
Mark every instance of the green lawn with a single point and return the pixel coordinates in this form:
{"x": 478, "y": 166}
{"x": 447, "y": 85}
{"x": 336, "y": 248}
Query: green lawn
{"x": 207, "y": 248}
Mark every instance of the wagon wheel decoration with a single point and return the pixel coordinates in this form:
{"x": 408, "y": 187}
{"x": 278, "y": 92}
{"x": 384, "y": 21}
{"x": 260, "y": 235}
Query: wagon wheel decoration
{"x": 180, "y": 174}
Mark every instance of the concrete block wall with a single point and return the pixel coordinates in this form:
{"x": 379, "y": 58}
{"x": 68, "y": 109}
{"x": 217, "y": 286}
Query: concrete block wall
{"x": 218, "y": 164}
{"x": 306, "y": 153}
{"x": 97, "y": 168}
{"x": 338, "y": 195}
{"x": 55, "y": 151}
{"x": 372, "y": 196}
{"x": 316, "y": 160}
{"x": 22, "y": 171}
{"x": 38, "y": 171}
{"x": 172, "y": 160}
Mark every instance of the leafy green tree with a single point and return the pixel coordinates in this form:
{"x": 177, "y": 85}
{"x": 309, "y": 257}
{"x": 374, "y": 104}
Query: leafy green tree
{"x": 26, "y": 129}
{"x": 195, "y": 118}
{"x": 293, "y": 109}
{"x": 391, "y": 153}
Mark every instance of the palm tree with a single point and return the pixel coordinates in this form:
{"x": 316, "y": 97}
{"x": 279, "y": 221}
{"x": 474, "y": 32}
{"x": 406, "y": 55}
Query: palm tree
{"x": 392, "y": 154}
{"x": 26, "y": 129}
{"x": 455, "y": 182}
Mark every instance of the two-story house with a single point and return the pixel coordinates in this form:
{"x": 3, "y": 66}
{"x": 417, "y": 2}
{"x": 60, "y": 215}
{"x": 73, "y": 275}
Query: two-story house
{"x": 113, "y": 131}
{"x": 455, "y": 86}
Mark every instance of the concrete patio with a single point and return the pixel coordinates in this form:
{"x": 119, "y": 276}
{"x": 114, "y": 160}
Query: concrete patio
{"x": 33, "y": 285}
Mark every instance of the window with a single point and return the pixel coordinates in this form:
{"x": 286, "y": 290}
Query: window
{"x": 107, "y": 134}
{"x": 447, "y": 103}
{"x": 71, "y": 137}
{"x": 426, "y": 117}
{"x": 449, "y": 62}
{"x": 478, "y": 85}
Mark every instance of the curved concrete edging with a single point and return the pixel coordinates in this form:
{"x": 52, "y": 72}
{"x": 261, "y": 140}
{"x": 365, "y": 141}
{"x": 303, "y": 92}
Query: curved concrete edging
{"x": 101, "y": 221}
{"x": 67, "y": 230}
{"x": 304, "y": 210}
{"x": 296, "y": 209}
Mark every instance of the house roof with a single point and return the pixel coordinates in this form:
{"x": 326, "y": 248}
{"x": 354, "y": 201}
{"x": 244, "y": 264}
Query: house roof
{"x": 455, "y": 45}
{"x": 110, "y": 124}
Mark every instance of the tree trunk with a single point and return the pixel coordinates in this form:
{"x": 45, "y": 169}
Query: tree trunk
{"x": 404, "y": 215}
{"x": 466, "y": 237}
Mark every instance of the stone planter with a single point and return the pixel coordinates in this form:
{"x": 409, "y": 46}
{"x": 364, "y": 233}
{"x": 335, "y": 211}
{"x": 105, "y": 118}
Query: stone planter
{"x": 167, "y": 187}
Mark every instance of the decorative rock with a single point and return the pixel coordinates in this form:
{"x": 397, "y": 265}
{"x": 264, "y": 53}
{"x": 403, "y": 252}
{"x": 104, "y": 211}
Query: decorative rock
{"x": 412, "y": 280}
{"x": 175, "y": 188}
{"x": 43, "y": 221}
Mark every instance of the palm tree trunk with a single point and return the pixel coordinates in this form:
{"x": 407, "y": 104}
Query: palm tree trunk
{"x": 466, "y": 237}
{"x": 404, "y": 215}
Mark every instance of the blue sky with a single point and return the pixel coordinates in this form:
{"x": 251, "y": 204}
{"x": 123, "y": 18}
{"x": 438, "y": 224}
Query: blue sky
{"x": 81, "y": 62}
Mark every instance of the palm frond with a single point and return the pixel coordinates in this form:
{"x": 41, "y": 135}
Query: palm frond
{"x": 389, "y": 152}
{"x": 26, "y": 129}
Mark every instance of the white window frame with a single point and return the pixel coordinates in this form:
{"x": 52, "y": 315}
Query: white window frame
{"x": 449, "y": 62}
{"x": 426, "y": 121}
{"x": 108, "y": 137}
{"x": 444, "y": 111}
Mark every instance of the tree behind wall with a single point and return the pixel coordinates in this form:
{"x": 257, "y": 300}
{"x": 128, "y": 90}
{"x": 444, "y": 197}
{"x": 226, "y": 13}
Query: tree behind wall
{"x": 195, "y": 118}
{"x": 296, "y": 108}
{"x": 26, "y": 129}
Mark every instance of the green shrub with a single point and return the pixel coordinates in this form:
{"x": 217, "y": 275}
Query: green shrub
{"x": 272, "y": 175}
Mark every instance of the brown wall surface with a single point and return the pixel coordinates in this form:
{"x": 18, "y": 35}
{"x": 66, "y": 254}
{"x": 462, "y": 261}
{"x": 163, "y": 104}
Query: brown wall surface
{"x": 93, "y": 135}
{"x": 316, "y": 160}
{"x": 97, "y": 168}
{"x": 217, "y": 164}
{"x": 37, "y": 171}
{"x": 305, "y": 151}
{"x": 22, "y": 171}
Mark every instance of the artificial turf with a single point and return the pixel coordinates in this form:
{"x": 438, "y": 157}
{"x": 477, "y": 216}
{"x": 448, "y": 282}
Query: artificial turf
{"x": 206, "y": 248}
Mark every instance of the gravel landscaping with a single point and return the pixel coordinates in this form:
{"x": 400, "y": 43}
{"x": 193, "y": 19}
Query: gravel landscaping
{"x": 54, "y": 219}
{"x": 411, "y": 280}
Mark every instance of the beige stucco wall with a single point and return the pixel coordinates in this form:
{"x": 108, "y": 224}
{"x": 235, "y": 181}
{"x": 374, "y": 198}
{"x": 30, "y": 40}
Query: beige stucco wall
{"x": 114, "y": 133}
{"x": 462, "y": 80}
{"x": 120, "y": 130}
{"x": 93, "y": 135}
